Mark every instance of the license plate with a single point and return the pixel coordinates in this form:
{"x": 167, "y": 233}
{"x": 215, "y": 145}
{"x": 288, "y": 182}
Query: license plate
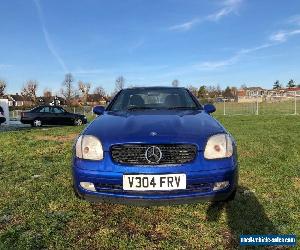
{"x": 147, "y": 182}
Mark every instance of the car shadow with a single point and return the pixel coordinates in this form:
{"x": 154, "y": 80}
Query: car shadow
{"x": 245, "y": 215}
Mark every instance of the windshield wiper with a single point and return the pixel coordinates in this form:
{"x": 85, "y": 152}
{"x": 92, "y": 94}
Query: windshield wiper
{"x": 139, "y": 108}
{"x": 182, "y": 107}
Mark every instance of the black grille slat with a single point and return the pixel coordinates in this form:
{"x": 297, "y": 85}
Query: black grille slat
{"x": 134, "y": 154}
{"x": 117, "y": 188}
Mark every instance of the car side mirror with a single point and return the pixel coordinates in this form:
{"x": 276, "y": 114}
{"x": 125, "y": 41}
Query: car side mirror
{"x": 98, "y": 110}
{"x": 209, "y": 108}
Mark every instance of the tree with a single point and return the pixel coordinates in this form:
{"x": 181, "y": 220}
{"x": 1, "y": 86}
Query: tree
{"x": 202, "y": 92}
{"x": 68, "y": 90}
{"x": 228, "y": 93}
{"x": 100, "y": 91}
{"x": 84, "y": 88}
{"x": 234, "y": 92}
{"x": 291, "y": 84}
{"x": 30, "y": 90}
{"x": 2, "y": 87}
{"x": 193, "y": 90}
{"x": 175, "y": 83}
{"x": 120, "y": 82}
{"x": 276, "y": 85}
{"x": 213, "y": 91}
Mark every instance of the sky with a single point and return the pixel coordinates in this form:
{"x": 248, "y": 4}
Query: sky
{"x": 198, "y": 42}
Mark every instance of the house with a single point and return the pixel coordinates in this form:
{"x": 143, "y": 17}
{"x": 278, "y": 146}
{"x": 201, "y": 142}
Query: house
{"x": 291, "y": 92}
{"x": 95, "y": 99}
{"x": 92, "y": 100}
{"x": 258, "y": 94}
{"x": 251, "y": 94}
{"x": 19, "y": 101}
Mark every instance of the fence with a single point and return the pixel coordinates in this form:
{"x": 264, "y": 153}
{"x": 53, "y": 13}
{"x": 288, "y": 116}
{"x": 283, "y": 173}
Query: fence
{"x": 280, "y": 106}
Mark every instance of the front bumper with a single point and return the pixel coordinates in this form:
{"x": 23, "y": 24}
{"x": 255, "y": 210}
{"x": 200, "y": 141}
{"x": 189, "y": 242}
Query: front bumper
{"x": 199, "y": 182}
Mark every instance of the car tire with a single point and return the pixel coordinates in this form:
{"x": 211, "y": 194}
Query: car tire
{"x": 77, "y": 195}
{"x": 78, "y": 122}
{"x": 37, "y": 123}
{"x": 231, "y": 196}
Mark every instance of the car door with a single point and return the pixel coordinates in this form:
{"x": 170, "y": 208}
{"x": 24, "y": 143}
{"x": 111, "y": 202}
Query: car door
{"x": 61, "y": 116}
{"x": 43, "y": 113}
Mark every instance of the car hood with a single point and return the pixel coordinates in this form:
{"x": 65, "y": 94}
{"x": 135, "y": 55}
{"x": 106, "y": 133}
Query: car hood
{"x": 154, "y": 127}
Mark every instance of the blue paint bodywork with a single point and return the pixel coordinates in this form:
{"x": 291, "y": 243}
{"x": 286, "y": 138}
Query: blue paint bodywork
{"x": 171, "y": 126}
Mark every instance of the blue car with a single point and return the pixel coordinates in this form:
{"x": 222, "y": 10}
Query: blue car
{"x": 155, "y": 145}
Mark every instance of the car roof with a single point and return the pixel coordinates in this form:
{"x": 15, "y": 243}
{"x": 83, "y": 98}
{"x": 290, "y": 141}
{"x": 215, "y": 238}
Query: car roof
{"x": 50, "y": 106}
{"x": 156, "y": 87}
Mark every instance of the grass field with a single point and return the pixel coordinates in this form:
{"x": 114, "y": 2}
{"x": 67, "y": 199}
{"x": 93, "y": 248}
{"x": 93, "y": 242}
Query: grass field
{"x": 39, "y": 210}
{"x": 264, "y": 108}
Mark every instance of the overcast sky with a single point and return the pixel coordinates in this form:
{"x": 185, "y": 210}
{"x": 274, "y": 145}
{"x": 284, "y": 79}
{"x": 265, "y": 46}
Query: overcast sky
{"x": 207, "y": 42}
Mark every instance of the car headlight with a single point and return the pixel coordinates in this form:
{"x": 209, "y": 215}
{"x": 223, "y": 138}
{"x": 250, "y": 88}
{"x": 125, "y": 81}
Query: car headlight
{"x": 89, "y": 147}
{"x": 218, "y": 146}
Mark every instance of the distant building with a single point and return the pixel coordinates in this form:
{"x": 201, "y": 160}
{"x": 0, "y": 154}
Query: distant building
{"x": 19, "y": 101}
{"x": 51, "y": 100}
{"x": 95, "y": 99}
{"x": 254, "y": 94}
{"x": 292, "y": 91}
{"x": 250, "y": 94}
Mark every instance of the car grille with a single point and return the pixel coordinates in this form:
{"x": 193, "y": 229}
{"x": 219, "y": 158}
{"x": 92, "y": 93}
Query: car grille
{"x": 135, "y": 154}
{"x": 118, "y": 188}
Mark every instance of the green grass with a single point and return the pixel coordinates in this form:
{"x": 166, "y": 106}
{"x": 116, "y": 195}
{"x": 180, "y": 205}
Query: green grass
{"x": 264, "y": 108}
{"x": 39, "y": 210}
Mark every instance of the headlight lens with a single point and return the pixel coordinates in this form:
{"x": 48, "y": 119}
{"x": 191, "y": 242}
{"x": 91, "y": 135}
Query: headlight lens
{"x": 218, "y": 146}
{"x": 89, "y": 147}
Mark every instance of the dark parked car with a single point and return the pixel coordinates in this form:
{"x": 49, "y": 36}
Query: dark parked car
{"x": 51, "y": 115}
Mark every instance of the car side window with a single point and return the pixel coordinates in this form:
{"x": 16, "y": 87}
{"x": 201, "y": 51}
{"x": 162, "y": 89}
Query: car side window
{"x": 57, "y": 110}
{"x": 44, "y": 110}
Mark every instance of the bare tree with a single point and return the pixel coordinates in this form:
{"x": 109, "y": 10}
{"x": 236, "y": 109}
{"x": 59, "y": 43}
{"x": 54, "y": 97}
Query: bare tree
{"x": 120, "y": 82}
{"x": 30, "y": 90}
{"x": 213, "y": 91}
{"x": 193, "y": 90}
{"x": 234, "y": 91}
{"x": 84, "y": 88}
{"x": 2, "y": 87}
{"x": 68, "y": 90}
{"x": 100, "y": 91}
{"x": 175, "y": 83}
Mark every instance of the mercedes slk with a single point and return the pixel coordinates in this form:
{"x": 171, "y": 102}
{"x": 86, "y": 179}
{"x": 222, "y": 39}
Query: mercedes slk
{"x": 155, "y": 145}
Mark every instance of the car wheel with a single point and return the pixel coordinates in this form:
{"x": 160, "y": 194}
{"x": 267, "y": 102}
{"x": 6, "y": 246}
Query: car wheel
{"x": 76, "y": 193}
{"x": 78, "y": 122}
{"x": 37, "y": 123}
{"x": 231, "y": 196}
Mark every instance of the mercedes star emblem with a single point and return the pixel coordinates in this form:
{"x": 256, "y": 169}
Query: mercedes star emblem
{"x": 153, "y": 154}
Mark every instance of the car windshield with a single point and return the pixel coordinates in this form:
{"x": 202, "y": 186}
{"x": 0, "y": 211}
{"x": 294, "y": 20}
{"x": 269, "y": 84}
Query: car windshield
{"x": 153, "y": 98}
